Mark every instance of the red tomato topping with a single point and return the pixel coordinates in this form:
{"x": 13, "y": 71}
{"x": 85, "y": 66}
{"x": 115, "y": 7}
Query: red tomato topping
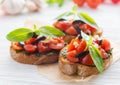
{"x": 16, "y": 46}
{"x": 115, "y": 1}
{"x": 56, "y": 43}
{"x": 93, "y": 3}
{"x": 30, "y": 48}
{"x": 87, "y": 60}
{"x": 103, "y": 53}
{"x": 72, "y": 45}
{"x": 30, "y": 41}
{"x": 105, "y": 44}
{"x": 71, "y": 30}
{"x": 78, "y": 45}
{"x": 71, "y": 56}
{"x": 81, "y": 47}
{"x": 80, "y": 3}
{"x": 62, "y": 25}
{"x": 92, "y": 29}
{"x": 43, "y": 47}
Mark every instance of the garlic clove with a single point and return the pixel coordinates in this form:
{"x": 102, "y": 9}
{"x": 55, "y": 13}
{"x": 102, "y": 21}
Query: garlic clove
{"x": 31, "y": 6}
{"x": 37, "y": 2}
{"x": 13, "y": 7}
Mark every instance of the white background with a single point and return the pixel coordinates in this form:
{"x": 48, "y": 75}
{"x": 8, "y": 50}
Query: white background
{"x": 12, "y": 73}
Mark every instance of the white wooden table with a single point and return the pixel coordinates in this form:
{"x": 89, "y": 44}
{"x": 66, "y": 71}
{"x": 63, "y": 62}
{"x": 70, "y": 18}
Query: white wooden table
{"x": 13, "y": 73}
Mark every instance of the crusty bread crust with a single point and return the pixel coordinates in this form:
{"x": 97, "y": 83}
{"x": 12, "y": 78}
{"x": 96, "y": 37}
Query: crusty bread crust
{"x": 33, "y": 58}
{"x": 70, "y": 68}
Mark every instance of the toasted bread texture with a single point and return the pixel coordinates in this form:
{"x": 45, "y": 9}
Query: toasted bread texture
{"x": 70, "y": 68}
{"x": 34, "y": 59}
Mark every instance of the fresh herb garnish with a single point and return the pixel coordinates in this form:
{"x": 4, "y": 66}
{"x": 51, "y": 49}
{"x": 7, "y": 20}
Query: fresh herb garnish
{"x": 68, "y": 13}
{"x": 94, "y": 52}
{"x": 51, "y": 31}
{"x": 110, "y": 52}
{"x": 51, "y": 2}
{"x": 22, "y": 34}
{"x": 87, "y": 19}
{"x": 96, "y": 57}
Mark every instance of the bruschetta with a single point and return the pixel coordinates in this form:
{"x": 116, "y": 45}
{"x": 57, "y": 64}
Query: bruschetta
{"x": 35, "y": 49}
{"x": 85, "y": 58}
{"x": 68, "y": 27}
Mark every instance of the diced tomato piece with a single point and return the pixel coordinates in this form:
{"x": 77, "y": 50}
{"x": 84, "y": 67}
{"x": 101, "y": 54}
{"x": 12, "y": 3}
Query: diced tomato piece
{"x": 92, "y": 29}
{"x": 30, "y": 41}
{"x": 71, "y": 30}
{"x": 105, "y": 44}
{"x": 30, "y": 48}
{"x": 102, "y": 1}
{"x": 16, "y": 46}
{"x": 93, "y": 3}
{"x": 103, "y": 53}
{"x": 62, "y": 25}
{"x": 78, "y": 45}
{"x": 43, "y": 47}
{"x": 56, "y": 43}
{"x": 71, "y": 56}
{"x": 81, "y": 47}
{"x": 87, "y": 60}
{"x": 80, "y": 3}
{"x": 73, "y": 45}
{"x": 115, "y": 1}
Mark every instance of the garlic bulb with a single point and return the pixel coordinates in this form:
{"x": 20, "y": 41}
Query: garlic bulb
{"x": 37, "y": 2}
{"x": 32, "y": 5}
{"x": 13, "y": 6}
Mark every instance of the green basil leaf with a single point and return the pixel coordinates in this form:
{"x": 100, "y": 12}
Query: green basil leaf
{"x": 74, "y": 9}
{"x": 50, "y": 1}
{"x": 20, "y": 34}
{"x": 50, "y": 31}
{"x": 37, "y": 31}
{"x": 95, "y": 54}
{"x": 89, "y": 41}
{"x": 87, "y": 19}
{"x": 60, "y": 2}
{"x": 64, "y": 15}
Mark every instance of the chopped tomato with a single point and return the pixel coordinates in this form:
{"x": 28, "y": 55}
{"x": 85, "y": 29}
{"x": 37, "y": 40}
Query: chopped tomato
{"x": 30, "y": 48}
{"x": 16, "y": 46}
{"x": 62, "y": 25}
{"x": 56, "y": 43}
{"x": 93, "y": 3}
{"x": 78, "y": 45}
{"x": 92, "y": 29}
{"x": 81, "y": 47}
{"x": 71, "y": 30}
{"x": 43, "y": 47}
{"x": 71, "y": 56}
{"x": 87, "y": 60}
{"x": 80, "y": 3}
{"x": 105, "y": 44}
{"x": 30, "y": 41}
{"x": 115, "y": 1}
{"x": 74, "y": 43}
{"x": 103, "y": 53}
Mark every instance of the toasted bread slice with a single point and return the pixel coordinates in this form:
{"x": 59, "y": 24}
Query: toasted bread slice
{"x": 70, "y": 68}
{"x": 33, "y": 58}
